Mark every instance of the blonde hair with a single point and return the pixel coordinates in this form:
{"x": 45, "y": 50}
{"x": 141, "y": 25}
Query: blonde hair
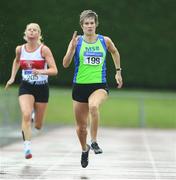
{"x": 39, "y": 30}
{"x": 86, "y": 14}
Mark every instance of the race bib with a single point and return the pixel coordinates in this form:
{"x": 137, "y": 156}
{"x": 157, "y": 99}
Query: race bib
{"x": 93, "y": 58}
{"x": 28, "y": 76}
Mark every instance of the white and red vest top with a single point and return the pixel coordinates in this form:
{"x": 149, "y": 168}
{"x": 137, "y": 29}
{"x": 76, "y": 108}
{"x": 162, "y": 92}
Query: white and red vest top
{"x": 31, "y": 60}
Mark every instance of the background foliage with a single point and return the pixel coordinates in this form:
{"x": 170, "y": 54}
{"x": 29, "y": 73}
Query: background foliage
{"x": 143, "y": 31}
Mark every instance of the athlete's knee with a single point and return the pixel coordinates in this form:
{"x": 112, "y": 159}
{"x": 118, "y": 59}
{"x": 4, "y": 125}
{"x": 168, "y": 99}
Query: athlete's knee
{"x": 82, "y": 129}
{"x": 26, "y": 116}
{"x": 93, "y": 108}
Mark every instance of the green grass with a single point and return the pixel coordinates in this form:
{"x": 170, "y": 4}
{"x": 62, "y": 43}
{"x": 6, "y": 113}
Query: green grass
{"x": 60, "y": 107}
{"x": 160, "y": 110}
{"x": 124, "y": 108}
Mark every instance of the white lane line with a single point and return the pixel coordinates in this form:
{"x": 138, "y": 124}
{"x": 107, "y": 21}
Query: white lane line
{"x": 147, "y": 146}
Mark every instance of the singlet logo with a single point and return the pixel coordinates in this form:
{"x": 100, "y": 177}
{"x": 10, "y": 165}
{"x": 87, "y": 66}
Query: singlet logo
{"x": 93, "y": 48}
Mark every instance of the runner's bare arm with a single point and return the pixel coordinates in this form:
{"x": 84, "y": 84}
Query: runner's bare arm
{"x": 116, "y": 58}
{"x": 71, "y": 50}
{"x": 15, "y": 67}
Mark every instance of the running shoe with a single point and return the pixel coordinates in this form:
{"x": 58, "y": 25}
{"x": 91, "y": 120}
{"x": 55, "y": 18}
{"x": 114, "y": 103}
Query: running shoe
{"x": 28, "y": 154}
{"x": 96, "y": 148}
{"x": 85, "y": 157}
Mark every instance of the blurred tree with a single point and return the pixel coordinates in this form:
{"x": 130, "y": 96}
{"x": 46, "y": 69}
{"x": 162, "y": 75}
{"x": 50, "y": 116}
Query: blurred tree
{"x": 144, "y": 32}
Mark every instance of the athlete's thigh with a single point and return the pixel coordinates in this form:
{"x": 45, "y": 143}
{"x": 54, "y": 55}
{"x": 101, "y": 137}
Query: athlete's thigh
{"x": 26, "y": 102}
{"x": 81, "y": 111}
{"x": 40, "y": 109}
{"x": 97, "y": 97}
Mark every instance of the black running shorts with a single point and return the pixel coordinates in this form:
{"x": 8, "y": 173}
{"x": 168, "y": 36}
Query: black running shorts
{"x": 39, "y": 91}
{"x": 81, "y": 92}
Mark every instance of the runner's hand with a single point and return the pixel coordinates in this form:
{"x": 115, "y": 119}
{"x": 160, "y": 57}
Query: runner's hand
{"x": 36, "y": 72}
{"x": 9, "y": 82}
{"x": 74, "y": 40}
{"x": 118, "y": 78}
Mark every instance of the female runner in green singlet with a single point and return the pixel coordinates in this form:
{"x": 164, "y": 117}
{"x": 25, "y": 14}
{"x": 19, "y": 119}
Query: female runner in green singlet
{"x": 89, "y": 83}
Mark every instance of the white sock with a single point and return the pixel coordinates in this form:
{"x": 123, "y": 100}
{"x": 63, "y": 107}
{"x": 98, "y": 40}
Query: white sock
{"x": 27, "y": 145}
{"x": 33, "y": 115}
